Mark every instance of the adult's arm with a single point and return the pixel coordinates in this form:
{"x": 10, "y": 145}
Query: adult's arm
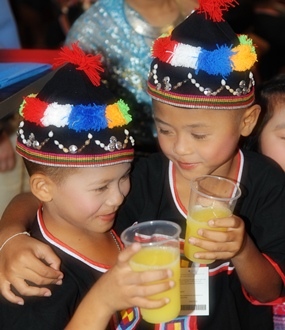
{"x": 22, "y": 257}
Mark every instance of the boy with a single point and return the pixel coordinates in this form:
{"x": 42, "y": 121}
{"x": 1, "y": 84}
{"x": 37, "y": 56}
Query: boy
{"x": 203, "y": 101}
{"x": 78, "y": 151}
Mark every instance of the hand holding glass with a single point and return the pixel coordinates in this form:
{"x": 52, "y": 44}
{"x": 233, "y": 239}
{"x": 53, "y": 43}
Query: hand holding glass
{"x": 211, "y": 197}
{"x": 160, "y": 250}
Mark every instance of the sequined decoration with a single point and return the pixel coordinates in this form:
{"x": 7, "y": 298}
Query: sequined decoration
{"x": 166, "y": 85}
{"x": 113, "y": 144}
{"x": 31, "y": 141}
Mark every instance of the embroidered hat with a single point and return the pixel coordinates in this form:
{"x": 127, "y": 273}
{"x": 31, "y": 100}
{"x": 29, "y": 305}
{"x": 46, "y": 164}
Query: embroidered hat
{"x": 203, "y": 63}
{"x": 74, "y": 120}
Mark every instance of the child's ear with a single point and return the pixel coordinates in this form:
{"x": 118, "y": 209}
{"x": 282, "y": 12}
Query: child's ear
{"x": 249, "y": 119}
{"x": 41, "y": 187}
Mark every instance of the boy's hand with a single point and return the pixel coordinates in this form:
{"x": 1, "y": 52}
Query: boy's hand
{"x": 124, "y": 288}
{"x": 120, "y": 288}
{"x": 24, "y": 258}
{"x": 221, "y": 244}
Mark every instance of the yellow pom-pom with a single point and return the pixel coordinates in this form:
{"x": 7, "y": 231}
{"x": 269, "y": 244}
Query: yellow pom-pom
{"x": 117, "y": 114}
{"x": 114, "y": 116}
{"x": 243, "y": 58}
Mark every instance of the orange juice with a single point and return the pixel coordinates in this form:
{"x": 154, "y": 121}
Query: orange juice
{"x": 197, "y": 219}
{"x": 160, "y": 257}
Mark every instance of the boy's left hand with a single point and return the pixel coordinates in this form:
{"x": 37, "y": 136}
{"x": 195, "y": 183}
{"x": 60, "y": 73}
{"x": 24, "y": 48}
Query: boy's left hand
{"x": 224, "y": 244}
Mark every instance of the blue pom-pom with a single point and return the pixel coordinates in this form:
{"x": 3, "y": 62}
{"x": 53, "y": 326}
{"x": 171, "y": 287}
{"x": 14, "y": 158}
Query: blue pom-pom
{"x": 217, "y": 62}
{"x": 87, "y": 117}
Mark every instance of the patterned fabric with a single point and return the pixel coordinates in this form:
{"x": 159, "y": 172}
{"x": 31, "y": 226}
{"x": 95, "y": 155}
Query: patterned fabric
{"x": 279, "y": 317}
{"x": 104, "y": 28}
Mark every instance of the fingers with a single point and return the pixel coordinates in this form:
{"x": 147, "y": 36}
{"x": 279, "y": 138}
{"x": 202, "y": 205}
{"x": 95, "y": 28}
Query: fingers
{"x": 128, "y": 252}
{"x": 150, "y": 303}
{"x": 230, "y": 222}
{"x": 28, "y": 288}
{"x": 223, "y": 243}
{"x": 9, "y": 295}
{"x": 153, "y": 276}
{"x": 25, "y": 271}
{"x": 40, "y": 274}
{"x": 150, "y": 289}
{"x": 48, "y": 257}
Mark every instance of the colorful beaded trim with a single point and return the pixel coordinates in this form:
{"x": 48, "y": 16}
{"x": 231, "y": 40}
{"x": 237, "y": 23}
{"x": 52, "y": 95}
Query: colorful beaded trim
{"x": 240, "y": 97}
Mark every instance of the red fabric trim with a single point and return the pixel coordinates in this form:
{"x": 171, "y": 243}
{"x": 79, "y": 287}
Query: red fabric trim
{"x": 277, "y": 301}
{"x": 176, "y": 192}
{"x": 59, "y": 242}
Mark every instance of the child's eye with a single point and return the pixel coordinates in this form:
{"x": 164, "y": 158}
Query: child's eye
{"x": 199, "y": 136}
{"x": 101, "y": 189}
{"x": 163, "y": 131}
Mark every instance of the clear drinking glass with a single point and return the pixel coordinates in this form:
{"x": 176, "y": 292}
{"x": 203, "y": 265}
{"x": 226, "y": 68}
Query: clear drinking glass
{"x": 211, "y": 197}
{"x": 160, "y": 249}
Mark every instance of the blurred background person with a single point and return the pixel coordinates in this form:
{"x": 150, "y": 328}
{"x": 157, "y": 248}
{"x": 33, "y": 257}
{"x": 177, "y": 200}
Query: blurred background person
{"x": 269, "y": 24}
{"x": 13, "y": 176}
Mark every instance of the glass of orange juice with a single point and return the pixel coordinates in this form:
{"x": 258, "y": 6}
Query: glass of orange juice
{"x": 160, "y": 250}
{"x": 211, "y": 197}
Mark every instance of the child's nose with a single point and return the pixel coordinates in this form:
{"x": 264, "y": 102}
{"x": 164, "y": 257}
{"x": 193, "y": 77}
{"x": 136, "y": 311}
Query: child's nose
{"x": 116, "y": 197}
{"x": 182, "y": 145}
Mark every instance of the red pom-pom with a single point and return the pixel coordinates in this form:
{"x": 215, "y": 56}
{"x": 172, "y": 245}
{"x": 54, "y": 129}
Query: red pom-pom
{"x": 163, "y": 48}
{"x": 90, "y": 64}
{"x": 33, "y": 110}
{"x": 215, "y": 8}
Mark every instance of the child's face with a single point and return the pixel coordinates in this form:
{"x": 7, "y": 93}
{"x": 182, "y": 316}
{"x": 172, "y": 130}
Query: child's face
{"x": 198, "y": 141}
{"x": 90, "y": 197}
{"x": 272, "y": 138}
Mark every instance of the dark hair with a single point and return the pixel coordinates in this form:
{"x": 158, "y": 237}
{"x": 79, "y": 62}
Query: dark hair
{"x": 269, "y": 94}
{"x": 57, "y": 174}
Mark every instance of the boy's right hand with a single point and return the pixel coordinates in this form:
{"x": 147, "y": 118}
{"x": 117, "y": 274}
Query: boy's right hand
{"x": 26, "y": 259}
{"x": 124, "y": 288}
{"x": 120, "y": 288}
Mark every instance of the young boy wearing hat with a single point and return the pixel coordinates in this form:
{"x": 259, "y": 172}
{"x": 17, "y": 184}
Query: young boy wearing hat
{"x": 203, "y": 101}
{"x": 75, "y": 143}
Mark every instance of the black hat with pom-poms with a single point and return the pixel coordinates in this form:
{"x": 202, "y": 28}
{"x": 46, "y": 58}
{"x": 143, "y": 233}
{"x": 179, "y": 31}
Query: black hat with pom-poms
{"x": 75, "y": 120}
{"x": 203, "y": 63}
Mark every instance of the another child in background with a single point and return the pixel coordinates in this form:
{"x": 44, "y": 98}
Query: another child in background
{"x": 268, "y": 138}
{"x": 78, "y": 151}
{"x": 203, "y": 102}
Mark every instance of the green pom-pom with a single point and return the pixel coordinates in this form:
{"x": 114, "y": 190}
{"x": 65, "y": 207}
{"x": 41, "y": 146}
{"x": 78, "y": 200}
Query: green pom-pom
{"x": 245, "y": 40}
{"x": 124, "y": 108}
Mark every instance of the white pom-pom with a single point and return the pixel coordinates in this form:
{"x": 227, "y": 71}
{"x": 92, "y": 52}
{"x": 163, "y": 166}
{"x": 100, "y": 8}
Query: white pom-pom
{"x": 185, "y": 56}
{"x": 56, "y": 115}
